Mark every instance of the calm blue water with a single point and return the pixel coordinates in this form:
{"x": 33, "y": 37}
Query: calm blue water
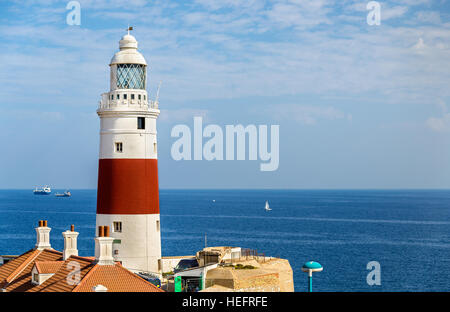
{"x": 407, "y": 232}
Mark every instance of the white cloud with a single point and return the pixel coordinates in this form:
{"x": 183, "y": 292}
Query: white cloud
{"x": 21, "y": 114}
{"x": 299, "y": 13}
{"x": 221, "y": 54}
{"x": 442, "y": 123}
{"x": 439, "y": 124}
{"x": 429, "y": 17}
{"x": 392, "y": 12}
{"x": 220, "y": 4}
{"x": 307, "y": 114}
{"x": 182, "y": 115}
{"x": 414, "y": 2}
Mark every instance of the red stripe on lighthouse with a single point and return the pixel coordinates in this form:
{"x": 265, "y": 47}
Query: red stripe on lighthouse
{"x": 128, "y": 186}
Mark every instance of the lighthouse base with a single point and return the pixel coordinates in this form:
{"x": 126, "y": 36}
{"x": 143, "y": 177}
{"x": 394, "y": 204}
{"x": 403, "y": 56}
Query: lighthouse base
{"x": 137, "y": 240}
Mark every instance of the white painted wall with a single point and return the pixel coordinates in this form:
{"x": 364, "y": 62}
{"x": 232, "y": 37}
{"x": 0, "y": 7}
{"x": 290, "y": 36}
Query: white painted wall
{"x": 134, "y": 146}
{"x": 70, "y": 244}
{"x": 43, "y": 238}
{"x": 122, "y": 126}
{"x": 42, "y": 277}
{"x": 140, "y": 240}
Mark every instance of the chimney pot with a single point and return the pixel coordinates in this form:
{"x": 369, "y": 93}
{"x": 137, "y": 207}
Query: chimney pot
{"x": 103, "y": 246}
{"x": 43, "y": 236}
{"x": 106, "y": 231}
{"x": 70, "y": 243}
{"x": 101, "y": 231}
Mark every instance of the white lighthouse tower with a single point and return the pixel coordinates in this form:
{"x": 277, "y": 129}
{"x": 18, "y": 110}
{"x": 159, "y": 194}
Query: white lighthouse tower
{"x": 128, "y": 194}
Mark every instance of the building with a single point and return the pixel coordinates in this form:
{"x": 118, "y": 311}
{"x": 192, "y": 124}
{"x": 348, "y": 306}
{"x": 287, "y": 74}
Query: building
{"x": 128, "y": 194}
{"x": 43, "y": 269}
{"x": 229, "y": 269}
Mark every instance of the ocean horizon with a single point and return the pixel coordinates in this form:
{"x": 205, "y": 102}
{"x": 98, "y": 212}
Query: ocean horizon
{"x": 406, "y": 231}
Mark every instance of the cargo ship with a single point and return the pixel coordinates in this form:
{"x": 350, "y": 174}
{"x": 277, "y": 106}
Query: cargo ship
{"x": 65, "y": 194}
{"x": 46, "y": 190}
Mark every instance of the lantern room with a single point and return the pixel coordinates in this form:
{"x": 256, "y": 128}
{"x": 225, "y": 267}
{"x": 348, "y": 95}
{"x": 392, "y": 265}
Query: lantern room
{"x": 128, "y": 66}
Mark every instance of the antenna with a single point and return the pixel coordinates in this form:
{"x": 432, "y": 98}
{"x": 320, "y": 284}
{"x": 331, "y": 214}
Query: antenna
{"x": 157, "y": 92}
{"x": 206, "y": 245}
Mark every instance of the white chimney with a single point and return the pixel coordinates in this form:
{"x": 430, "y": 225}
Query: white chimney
{"x": 99, "y": 288}
{"x": 43, "y": 236}
{"x": 104, "y": 245}
{"x": 70, "y": 243}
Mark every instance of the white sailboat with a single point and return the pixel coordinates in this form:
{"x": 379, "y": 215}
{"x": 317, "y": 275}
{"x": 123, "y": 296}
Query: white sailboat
{"x": 267, "y": 206}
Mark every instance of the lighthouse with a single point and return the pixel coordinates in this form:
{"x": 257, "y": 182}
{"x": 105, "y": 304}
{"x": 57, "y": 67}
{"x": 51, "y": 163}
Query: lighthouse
{"x": 127, "y": 194}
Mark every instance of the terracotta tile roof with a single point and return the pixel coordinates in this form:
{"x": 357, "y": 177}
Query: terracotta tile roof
{"x": 47, "y": 267}
{"x": 16, "y": 274}
{"x": 8, "y": 268}
{"x": 116, "y": 279}
{"x": 63, "y": 280}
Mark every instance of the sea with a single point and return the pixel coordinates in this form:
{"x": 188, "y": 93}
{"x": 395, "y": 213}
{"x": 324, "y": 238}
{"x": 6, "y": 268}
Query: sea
{"x": 406, "y": 231}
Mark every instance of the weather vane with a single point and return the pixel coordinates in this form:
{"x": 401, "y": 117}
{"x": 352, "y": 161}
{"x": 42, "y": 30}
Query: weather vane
{"x": 129, "y": 28}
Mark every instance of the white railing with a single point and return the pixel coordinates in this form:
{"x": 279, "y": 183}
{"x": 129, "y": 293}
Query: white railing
{"x": 110, "y": 104}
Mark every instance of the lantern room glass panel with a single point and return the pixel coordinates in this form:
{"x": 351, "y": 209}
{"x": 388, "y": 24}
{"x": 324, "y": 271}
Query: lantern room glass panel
{"x": 131, "y": 76}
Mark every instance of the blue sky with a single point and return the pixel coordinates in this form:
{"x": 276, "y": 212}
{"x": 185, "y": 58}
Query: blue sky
{"x": 358, "y": 106}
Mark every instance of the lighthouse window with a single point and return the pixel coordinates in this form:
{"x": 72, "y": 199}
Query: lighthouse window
{"x": 117, "y": 226}
{"x": 139, "y": 97}
{"x": 118, "y": 96}
{"x": 119, "y": 147}
{"x": 132, "y": 96}
{"x": 141, "y": 122}
{"x": 124, "y": 96}
{"x": 157, "y": 225}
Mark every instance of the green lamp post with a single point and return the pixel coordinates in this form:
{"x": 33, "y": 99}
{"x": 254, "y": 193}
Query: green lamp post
{"x": 311, "y": 267}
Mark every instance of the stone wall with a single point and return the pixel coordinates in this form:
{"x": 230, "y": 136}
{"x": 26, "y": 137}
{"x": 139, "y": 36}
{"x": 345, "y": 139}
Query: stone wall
{"x": 273, "y": 276}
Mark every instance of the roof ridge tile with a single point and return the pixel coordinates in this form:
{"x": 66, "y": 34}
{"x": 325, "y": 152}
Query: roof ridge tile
{"x": 23, "y": 265}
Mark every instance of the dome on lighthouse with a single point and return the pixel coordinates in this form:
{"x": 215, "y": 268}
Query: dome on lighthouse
{"x": 128, "y": 41}
{"x": 128, "y": 53}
